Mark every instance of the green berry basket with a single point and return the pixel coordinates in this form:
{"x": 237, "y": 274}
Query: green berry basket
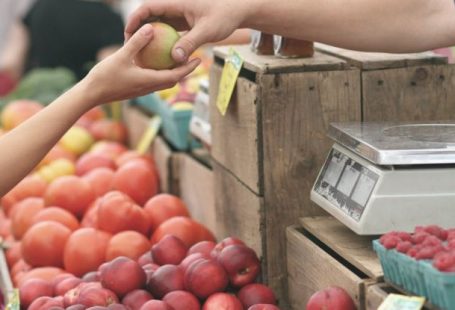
{"x": 440, "y": 286}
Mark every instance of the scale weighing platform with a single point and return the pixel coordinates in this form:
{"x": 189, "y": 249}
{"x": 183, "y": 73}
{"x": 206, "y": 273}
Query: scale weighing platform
{"x": 380, "y": 177}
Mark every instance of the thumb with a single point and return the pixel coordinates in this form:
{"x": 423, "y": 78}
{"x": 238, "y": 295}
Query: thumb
{"x": 139, "y": 39}
{"x": 189, "y": 42}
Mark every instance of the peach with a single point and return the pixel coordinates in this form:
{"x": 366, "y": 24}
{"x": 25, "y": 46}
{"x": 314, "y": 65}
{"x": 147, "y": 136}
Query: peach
{"x": 16, "y": 112}
{"x": 135, "y": 299}
{"x": 107, "y": 129}
{"x": 241, "y": 263}
{"x": 165, "y": 279}
{"x": 65, "y": 285}
{"x": 205, "y": 277}
{"x": 263, "y": 307}
{"x": 145, "y": 258}
{"x": 46, "y": 303}
{"x": 331, "y": 298}
{"x": 181, "y": 300}
{"x": 33, "y": 289}
{"x": 155, "y": 305}
{"x": 222, "y": 301}
{"x": 157, "y": 54}
{"x": 123, "y": 275}
{"x": 256, "y": 293}
{"x": 204, "y": 247}
{"x": 169, "y": 250}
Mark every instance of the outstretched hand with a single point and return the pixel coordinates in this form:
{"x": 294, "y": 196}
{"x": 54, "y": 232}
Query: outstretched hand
{"x": 118, "y": 78}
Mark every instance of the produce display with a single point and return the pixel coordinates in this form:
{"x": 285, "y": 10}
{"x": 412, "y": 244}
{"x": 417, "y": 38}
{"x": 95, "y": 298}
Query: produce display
{"x": 422, "y": 262}
{"x": 88, "y": 229}
{"x": 333, "y": 298}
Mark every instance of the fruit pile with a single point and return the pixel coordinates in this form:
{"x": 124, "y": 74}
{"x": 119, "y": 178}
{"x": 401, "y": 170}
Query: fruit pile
{"x": 89, "y": 230}
{"x": 426, "y": 243}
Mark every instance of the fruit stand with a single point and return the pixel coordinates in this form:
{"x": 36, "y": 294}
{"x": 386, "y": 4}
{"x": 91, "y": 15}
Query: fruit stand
{"x": 134, "y": 209}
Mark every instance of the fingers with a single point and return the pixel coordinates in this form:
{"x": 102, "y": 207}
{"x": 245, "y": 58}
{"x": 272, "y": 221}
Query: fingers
{"x": 189, "y": 42}
{"x": 169, "y": 76}
{"x": 138, "y": 41}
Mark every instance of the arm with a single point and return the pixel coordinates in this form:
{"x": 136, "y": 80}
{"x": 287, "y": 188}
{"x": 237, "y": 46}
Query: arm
{"x": 12, "y": 60}
{"x": 115, "y": 78}
{"x": 369, "y": 25}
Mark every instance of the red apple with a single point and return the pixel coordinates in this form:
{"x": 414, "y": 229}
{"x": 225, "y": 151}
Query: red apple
{"x": 205, "y": 277}
{"x": 150, "y": 269}
{"x": 222, "y": 301}
{"x": 181, "y": 300}
{"x": 263, "y": 307}
{"x": 117, "y": 307}
{"x": 334, "y": 298}
{"x": 165, "y": 279}
{"x": 76, "y": 307}
{"x": 256, "y": 293}
{"x": 224, "y": 243}
{"x": 71, "y": 297}
{"x": 123, "y": 275}
{"x": 204, "y": 247}
{"x": 241, "y": 263}
{"x": 169, "y": 250}
{"x": 92, "y": 276}
{"x": 135, "y": 299}
{"x": 32, "y": 289}
{"x": 156, "y": 305}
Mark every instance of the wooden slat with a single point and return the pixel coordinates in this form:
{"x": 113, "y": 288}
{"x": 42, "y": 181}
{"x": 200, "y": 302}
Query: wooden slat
{"x": 310, "y": 269}
{"x": 375, "y": 296}
{"x": 273, "y": 64}
{"x": 299, "y": 108}
{"x": 409, "y": 94}
{"x": 238, "y": 210}
{"x": 136, "y": 121}
{"x": 356, "y": 249}
{"x": 197, "y": 191}
{"x": 235, "y": 135}
{"x": 163, "y": 156}
{"x": 376, "y": 61}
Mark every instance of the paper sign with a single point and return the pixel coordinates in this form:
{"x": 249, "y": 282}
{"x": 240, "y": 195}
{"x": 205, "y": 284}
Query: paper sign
{"x": 231, "y": 70}
{"x": 149, "y": 135}
{"x": 13, "y": 300}
{"x": 401, "y": 302}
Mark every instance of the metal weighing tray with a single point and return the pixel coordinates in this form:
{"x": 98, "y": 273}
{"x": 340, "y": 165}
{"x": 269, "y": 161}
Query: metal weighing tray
{"x": 398, "y": 143}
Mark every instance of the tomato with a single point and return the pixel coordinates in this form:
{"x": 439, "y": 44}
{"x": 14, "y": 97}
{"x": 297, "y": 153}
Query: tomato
{"x": 91, "y": 161}
{"x": 90, "y": 218}
{"x": 22, "y": 217}
{"x": 85, "y": 250}
{"x": 57, "y": 214}
{"x": 57, "y": 152}
{"x": 107, "y": 129}
{"x": 131, "y": 155}
{"x": 100, "y": 180}
{"x": 71, "y": 193}
{"x": 13, "y": 253}
{"x": 163, "y": 207}
{"x": 43, "y": 244}
{"x": 43, "y": 273}
{"x": 138, "y": 180}
{"x": 188, "y": 230}
{"x": 117, "y": 212}
{"x": 30, "y": 186}
{"x": 110, "y": 148}
{"x": 127, "y": 243}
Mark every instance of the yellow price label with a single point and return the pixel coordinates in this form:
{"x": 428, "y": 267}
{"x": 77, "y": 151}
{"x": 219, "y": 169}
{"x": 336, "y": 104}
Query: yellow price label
{"x": 13, "y": 300}
{"x": 402, "y": 302}
{"x": 149, "y": 135}
{"x": 231, "y": 70}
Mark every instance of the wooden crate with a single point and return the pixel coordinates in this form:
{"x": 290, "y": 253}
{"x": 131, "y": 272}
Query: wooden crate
{"x": 196, "y": 187}
{"x": 402, "y": 87}
{"x": 137, "y": 122}
{"x": 271, "y": 143}
{"x": 322, "y": 252}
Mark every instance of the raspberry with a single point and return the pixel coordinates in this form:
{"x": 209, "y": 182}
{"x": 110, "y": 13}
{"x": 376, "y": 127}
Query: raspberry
{"x": 437, "y": 231}
{"x": 426, "y": 252}
{"x": 404, "y": 236}
{"x": 432, "y": 241}
{"x": 419, "y": 237}
{"x": 451, "y": 234}
{"x": 404, "y": 246}
{"x": 412, "y": 252}
{"x": 444, "y": 261}
{"x": 390, "y": 242}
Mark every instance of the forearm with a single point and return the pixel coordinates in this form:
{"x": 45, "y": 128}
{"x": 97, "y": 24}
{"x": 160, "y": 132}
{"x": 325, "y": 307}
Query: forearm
{"x": 370, "y": 25}
{"x": 22, "y": 148}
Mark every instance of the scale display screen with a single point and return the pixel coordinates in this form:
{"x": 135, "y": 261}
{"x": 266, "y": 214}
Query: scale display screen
{"x": 346, "y": 184}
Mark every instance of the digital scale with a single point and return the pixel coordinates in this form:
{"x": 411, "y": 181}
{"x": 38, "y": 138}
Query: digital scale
{"x": 380, "y": 177}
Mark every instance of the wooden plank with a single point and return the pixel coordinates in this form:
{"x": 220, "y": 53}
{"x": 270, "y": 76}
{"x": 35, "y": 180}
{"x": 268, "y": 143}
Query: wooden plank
{"x": 375, "y": 296}
{"x": 310, "y": 269}
{"x": 297, "y": 109}
{"x": 376, "y": 61}
{"x": 235, "y": 136}
{"x": 136, "y": 121}
{"x": 273, "y": 64}
{"x": 163, "y": 156}
{"x": 238, "y": 210}
{"x": 197, "y": 191}
{"x": 357, "y": 250}
{"x": 409, "y": 94}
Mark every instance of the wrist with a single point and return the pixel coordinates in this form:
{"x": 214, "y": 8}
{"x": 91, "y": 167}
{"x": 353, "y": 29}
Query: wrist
{"x": 251, "y": 9}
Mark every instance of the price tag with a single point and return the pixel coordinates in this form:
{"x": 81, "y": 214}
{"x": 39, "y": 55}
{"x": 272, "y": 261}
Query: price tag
{"x": 231, "y": 70}
{"x": 149, "y": 135}
{"x": 116, "y": 110}
{"x": 401, "y": 302}
{"x": 13, "y": 300}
